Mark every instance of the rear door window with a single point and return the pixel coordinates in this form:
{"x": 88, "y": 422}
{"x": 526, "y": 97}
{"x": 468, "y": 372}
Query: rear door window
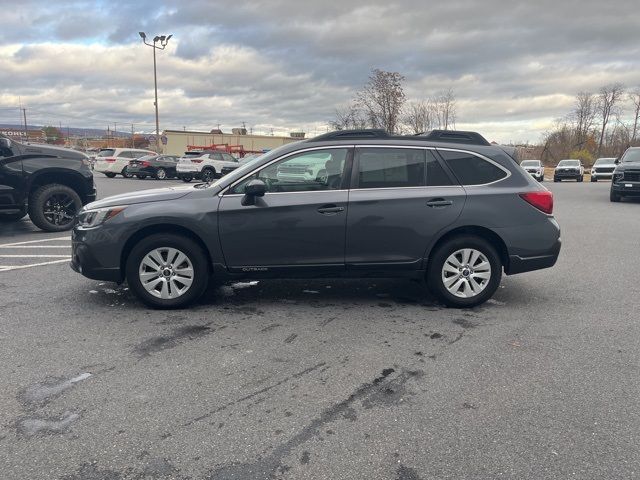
{"x": 390, "y": 167}
{"x": 228, "y": 158}
{"x": 471, "y": 169}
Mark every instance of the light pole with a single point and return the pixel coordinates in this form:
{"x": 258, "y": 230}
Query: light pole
{"x": 163, "y": 40}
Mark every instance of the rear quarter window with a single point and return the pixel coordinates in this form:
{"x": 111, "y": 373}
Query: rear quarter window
{"x": 471, "y": 169}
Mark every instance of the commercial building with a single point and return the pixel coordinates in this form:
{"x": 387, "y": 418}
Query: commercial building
{"x": 176, "y": 142}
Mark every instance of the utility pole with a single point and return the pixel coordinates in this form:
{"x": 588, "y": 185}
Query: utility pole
{"x": 163, "y": 40}
{"x": 133, "y": 143}
{"x": 26, "y": 129}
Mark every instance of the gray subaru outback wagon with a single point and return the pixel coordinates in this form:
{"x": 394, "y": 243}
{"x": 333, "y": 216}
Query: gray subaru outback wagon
{"x": 446, "y": 206}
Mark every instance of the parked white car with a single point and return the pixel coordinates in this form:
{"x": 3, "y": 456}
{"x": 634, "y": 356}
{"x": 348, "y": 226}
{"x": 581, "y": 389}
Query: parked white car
{"x": 207, "y": 166}
{"x": 534, "y": 168}
{"x": 603, "y": 168}
{"x": 114, "y": 161}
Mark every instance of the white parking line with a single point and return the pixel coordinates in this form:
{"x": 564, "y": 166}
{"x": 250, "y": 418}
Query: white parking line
{"x": 34, "y": 246}
{"x": 34, "y": 241}
{"x": 6, "y": 268}
{"x": 35, "y": 256}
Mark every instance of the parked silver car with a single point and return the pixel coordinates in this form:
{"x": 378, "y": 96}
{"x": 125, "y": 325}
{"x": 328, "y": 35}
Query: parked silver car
{"x": 603, "y": 168}
{"x": 534, "y": 168}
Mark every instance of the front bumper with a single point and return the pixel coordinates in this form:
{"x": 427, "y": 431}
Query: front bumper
{"x": 85, "y": 262}
{"x": 626, "y": 189}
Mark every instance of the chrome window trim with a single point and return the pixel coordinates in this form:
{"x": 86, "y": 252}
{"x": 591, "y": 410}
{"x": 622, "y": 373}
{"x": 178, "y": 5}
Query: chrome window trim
{"x": 289, "y": 193}
{"x": 286, "y": 155}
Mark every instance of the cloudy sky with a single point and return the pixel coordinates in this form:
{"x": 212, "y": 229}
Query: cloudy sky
{"x": 286, "y": 65}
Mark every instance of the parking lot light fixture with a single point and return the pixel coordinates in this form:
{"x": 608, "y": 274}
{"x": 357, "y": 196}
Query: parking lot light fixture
{"x": 163, "y": 41}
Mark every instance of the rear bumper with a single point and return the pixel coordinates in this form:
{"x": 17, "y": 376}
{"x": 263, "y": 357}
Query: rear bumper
{"x": 531, "y": 247}
{"x": 518, "y": 264}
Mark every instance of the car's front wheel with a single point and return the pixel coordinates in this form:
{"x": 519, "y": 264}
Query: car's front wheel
{"x": 594, "y": 179}
{"x": 53, "y": 207}
{"x": 167, "y": 270}
{"x": 464, "y": 271}
{"x": 580, "y": 178}
{"x": 614, "y": 197}
{"x": 161, "y": 173}
{"x": 110, "y": 175}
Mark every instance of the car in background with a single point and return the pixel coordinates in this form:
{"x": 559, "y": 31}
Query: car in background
{"x": 50, "y": 184}
{"x": 603, "y": 168}
{"x": 114, "y": 161}
{"x": 421, "y": 207}
{"x": 626, "y": 176}
{"x": 207, "y": 166}
{"x": 244, "y": 160}
{"x": 154, "y": 166}
{"x": 569, "y": 169}
{"x": 534, "y": 168}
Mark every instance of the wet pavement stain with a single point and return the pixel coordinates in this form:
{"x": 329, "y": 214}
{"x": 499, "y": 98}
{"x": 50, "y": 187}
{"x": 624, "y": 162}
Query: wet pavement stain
{"x": 270, "y": 465}
{"x": 268, "y": 328}
{"x": 304, "y": 459}
{"x": 435, "y": 335}
{"x": 178, "y": 336}
{"x": 34, "y": 426}
{"x": 464, "y": 323}
{"x": 250, "y": 396}
{"x": 90, "y": 471}
{"x": 290, "y": 338}
{"x": 406, "y": 473}
{"x": 42, "y": 393}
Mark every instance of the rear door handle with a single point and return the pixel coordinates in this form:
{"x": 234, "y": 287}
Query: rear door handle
{"x": 439, "y": 203}
{"x": 330, "y": 209}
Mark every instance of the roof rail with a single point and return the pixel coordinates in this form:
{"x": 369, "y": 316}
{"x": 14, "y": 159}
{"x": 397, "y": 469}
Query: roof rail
{"x": 454, "y": 136}
{"x": 350, "y": 134}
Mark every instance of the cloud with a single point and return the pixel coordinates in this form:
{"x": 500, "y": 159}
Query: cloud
{"x": 285, "y": 65}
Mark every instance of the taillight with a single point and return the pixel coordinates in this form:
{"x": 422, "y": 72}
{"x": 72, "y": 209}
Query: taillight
{"x": 145, "y": 163}
{"x": 542, "y": 200}
{"x": 196, "y": 160}
{"x": 109, "y": 159}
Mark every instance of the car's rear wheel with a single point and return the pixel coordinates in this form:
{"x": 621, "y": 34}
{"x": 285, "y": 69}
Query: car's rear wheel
{"x": 167, "y": 270}
{"x": 161, "y": 173}
{"x": 53, "y": 207}
{"x": 464, "y": 271}
{"x": 187, "y": 178}
{"x": 110, "y": 175}
{"x": 125, "y": 173}
{"x": 208, "y": 175}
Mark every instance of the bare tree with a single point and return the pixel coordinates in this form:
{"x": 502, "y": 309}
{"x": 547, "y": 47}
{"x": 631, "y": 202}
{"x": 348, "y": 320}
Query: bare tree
{"x": 349, "y": 117}
{"x": 584, "y": 116}
{"x": 446, "y": 109}
{"x": 419, "y": 116}
{"x": 634, "y": 96}
{"x": 382, "y": 99}
{"x": 608, "y": 99}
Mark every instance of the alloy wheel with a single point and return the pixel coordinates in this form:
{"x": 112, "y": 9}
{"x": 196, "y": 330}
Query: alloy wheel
{"x": 466, "y": 273}
{"x": 59, "y": 209}
{"x": 166, "y": 273}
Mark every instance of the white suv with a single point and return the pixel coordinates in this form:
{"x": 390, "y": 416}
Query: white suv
{"x": 534, "y": 168}
{"x": 207, "y": 166}
{"x": 114, "y": 161}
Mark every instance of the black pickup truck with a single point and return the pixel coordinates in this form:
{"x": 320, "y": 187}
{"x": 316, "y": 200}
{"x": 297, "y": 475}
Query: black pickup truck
{"x": 49, "y": 183}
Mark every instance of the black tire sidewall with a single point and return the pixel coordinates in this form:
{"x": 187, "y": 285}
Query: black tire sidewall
{"x": 36, "y": 206}
{"x": 208, "y": 171}
{"x": 436, "y": 262}
{"x": 158, "y": 173}
{"x": 186, "y": 179}
{"x": 110, "y": 175}
{"x": 184, "y": 244}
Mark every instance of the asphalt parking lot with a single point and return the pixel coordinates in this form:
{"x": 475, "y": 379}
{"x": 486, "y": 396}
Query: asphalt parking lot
{"x": 327, "y": 379}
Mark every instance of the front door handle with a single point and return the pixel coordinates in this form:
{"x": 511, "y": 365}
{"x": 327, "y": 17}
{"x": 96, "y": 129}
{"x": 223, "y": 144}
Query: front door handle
{"x": 438, "y": 203}
{"x": 330, "y": 209}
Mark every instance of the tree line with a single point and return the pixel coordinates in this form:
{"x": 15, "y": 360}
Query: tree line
{"x": 382, "y": 103}
{"x": 601, "y": 124}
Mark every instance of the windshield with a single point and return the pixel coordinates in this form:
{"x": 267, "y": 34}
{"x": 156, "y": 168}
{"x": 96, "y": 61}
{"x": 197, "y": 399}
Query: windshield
{"x": 107, "y": 152}
{"x": 631, "y": 155}
{"x": 600, "y": 161}
{"x": 530, "y": 163}
{"x": 569, "y": 163}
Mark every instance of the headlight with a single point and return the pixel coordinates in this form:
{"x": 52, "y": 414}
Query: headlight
{"x": 593, "y": 171}
{"x": 95, "y": 217}
{"x": 617, "y": 176}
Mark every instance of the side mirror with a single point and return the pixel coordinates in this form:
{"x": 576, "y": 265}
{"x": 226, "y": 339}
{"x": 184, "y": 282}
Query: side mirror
{"x": 255, "y": 188}
{"x": 617, "y": 161}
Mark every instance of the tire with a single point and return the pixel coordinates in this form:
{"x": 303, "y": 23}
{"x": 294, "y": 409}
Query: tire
{"x": 541, "y": 179}
{"x": 12, "y": 217}
{"x": 208, "y": 175}
{"x": 110, "y": 175}
{"x": 580, "y": 179}
{"x": 593, "y": 179}
{"x": 53, "y": 207}
{"x": 614, "y": 197}
{"x": 161, "y": 174}
{"x": 556, "y": 180}
{"x": 161, "y": 243}
{"x": 443, "y": 253}
{"x": 125, "y": 173}
{"x": 141, "y": 177}
{"x": 186, "y": 178}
